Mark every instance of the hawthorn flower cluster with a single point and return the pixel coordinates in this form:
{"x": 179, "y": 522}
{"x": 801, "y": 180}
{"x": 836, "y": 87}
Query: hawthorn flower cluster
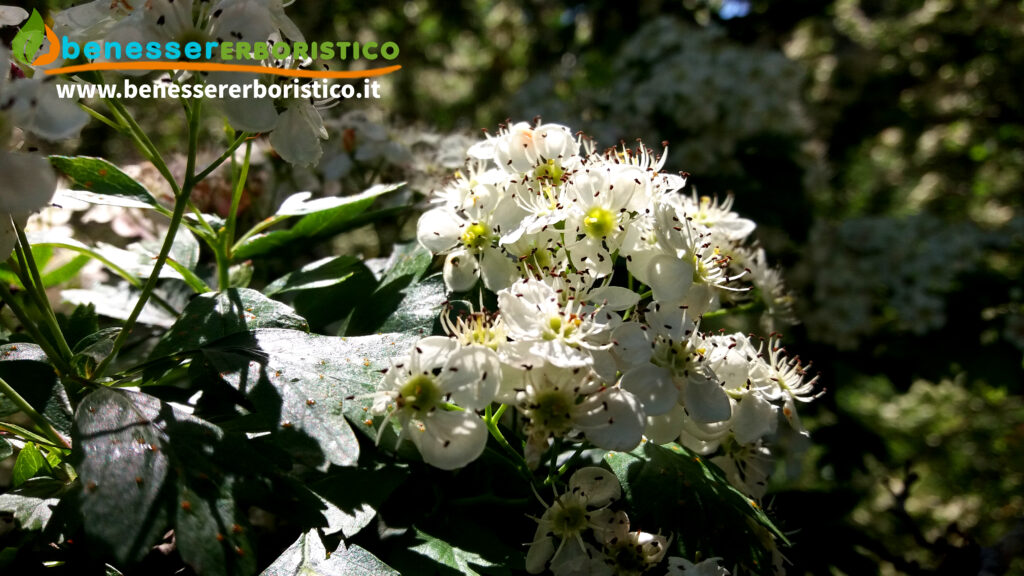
{"x": 602, "y": 269}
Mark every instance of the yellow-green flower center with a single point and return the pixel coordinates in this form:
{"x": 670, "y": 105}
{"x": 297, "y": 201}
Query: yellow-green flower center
{"x": 551, "y": 412}
{"x": 559, "y": 327}
{"x": 476, "y": 236}
{"x": 550, "y": 170}
{"x": 569, "y": 517}
{"x": 598, "y": 222}
{"x": 419, "y": 394}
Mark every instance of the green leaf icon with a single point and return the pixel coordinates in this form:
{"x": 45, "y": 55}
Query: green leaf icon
{"x": 29, "y": 39}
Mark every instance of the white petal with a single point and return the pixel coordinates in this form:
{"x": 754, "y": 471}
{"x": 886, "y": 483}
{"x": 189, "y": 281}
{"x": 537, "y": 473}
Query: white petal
{"x": 449, "y": 440}
{"x": 789, "y": 411}
{"x": 666, "y": 427}
{"x": 632, "y": 344}
{"x": 619, "y": 427}
{"x": 297, "y": 134}
{"x": 35, "y": 107}
{"x": 555, "y": 141}
{"x": 497, "y": 270}
{"x": 670, "y": 278}
{"x": 483, "y": 150}
{"x": 471, "y": 376}
{"x": 753, "y": 418}
{"x": 28, "y": 182}
{"x": 613, "y": 297}
{"x": 247, "y": 114}
{"x": 438, "y": 230}
{"x": 461, "y": 271}
{"x": 706, "y": 401}
{"x": 541, "y": 550}
{"x": 431, "y": 352}
{"x": 604, "y": 365}
{"x": 12, "y": 15}
{"x": 653, "y": 386}
{"x": 598, "y": 485}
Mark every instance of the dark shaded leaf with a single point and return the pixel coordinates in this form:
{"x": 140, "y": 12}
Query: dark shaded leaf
{"x": 419, "y": 309}
{"x": 307, "y": 556}
{"x": 144, "y": 467}
{"x": 320, "y": 274}
{"x": 212, "y": 316}
{"x": 26, "y": 368}
{"x": 92, "y": 350}
{"x": 6, "y": 450}
{"x": 82, "y": 322}
{"x": 708, "y": 515}
{"x": 32, "y": 503}
{"x": 101, "y": 182}
{"x": 354, "y": 494}
{"x": 302, "y": 383}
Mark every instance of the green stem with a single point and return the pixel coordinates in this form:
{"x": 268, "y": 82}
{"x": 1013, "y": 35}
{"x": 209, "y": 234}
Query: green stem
{"x": 180, "y": 203}
{"x": 33, "y": 330}
{"x": 565, "y": 466}
{"x": 43, "y": 424}
{"x": 99, "y": 116}
{"x": 492, "y": 426}
{"x": 220, "y": 160}
{"x": 228, "y": 239}
{"x": 145, "y": 145}
{"x": 259, "y": 227}
{"x": 49, "y": 318}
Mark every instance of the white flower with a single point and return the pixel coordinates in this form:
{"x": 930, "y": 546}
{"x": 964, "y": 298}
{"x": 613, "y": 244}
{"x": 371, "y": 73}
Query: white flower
{"x": 416, "y": 389}
{"x": 597, "y": 219}
{"x": 785, "y": 378}
{"x": 298, "y": 132}
{"x": 558, "y": 328}
{"x": 559, "y": 402}
{"x": 519, "y": 148}
{"x": 632, "y": 553}
{"x": 466, "y": 225}
{"x": 581, "y": 509}
{"x": 726, "y": 226}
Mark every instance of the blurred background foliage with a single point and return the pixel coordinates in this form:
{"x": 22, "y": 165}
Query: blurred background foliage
{"x": 878, "y": 144}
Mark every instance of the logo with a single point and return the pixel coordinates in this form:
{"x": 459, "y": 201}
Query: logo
{"x": 29, "y": 41}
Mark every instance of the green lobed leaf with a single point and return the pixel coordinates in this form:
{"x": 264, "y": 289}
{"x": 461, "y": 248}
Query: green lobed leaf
{"x": 212, "y": 316}
{"x": 29, "y": 463}
{"x": 308, "y": 556}
{"x": 305, "y": 384}
{"x": 100, "y": 182}
{"x": 32, "y": 503}
{"x": 447, "y": 555}
{"x": 314, "y": 225}
{"x": 26, "y": 368}
{"x": 320, "y": 274}
{"x": 143, "y": 466}
{"x": 409, "y": 259}
{"x": 708, "y": 514}
{"x": 92, "y": 349}
{"x": 82, "y": 323}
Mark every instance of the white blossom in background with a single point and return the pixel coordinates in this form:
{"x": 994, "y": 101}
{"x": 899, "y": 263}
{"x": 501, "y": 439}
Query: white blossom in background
{"x": 30, "y": 105}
